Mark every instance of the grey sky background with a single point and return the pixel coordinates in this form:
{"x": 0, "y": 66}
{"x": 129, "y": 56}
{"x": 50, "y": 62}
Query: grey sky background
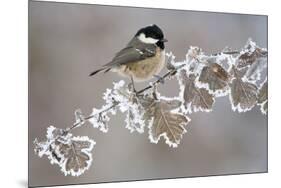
{"x": 68, "y": 41}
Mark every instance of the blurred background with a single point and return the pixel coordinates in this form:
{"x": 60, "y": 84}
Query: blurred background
{"x": 68, "y": 41}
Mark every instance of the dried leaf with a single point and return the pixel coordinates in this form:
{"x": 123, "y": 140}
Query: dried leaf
{"x": 249, "y": 58}
{"x": 250, "y": 54}
{"x": 194, "y": 98}
{"x": 72, "y": 154}
{"x": 243, "y": 94}
{"x": 225, "y": 60}
{"x": 163, "y": 121}
{"x": 214, "y": 78}
{"x": 255, "y": 70}
{"x": 239, "y": 73}
{"x": 262, "y": 96}
{"x": 76, "y": 155}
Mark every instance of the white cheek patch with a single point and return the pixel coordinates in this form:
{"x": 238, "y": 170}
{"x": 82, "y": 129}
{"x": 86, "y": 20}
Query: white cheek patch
{"x": 147, "y": 40}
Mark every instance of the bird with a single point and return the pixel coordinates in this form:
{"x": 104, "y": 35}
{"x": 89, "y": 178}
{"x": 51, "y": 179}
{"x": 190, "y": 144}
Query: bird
{"x": 142, "y": 58}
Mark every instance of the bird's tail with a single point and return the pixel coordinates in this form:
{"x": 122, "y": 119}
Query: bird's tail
{"x": 101, "y": 69}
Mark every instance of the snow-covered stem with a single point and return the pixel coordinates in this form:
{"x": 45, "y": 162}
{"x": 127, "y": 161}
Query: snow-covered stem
{"x": 227, "y": 53}
{"x": 159, "y": 80}
{"x": 202, "y": 79}
{"x": 77, "y": 124}
{"x": 116, "y": 103}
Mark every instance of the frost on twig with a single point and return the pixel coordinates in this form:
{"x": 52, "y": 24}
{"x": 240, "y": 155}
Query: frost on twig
{"x": 123, "y": 98}
{"x": 79, "y": 117}
{"x": 202, "y": 79}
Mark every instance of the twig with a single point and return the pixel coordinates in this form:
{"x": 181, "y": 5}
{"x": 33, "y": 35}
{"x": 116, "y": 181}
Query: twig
{"x": 227, "y": 53}
{"x": 75, "y": 125}
{"x": 116, "y": 103}
{"x": 169, "y": 73}
{"x": 156, "y": 82}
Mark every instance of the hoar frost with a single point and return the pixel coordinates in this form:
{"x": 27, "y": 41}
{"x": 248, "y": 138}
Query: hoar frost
{"x": 202, "y": 78}
{"x": 72, "y": 154}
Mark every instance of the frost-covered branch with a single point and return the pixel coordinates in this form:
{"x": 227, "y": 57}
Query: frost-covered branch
{"x": 202, "y": 79}
{"x": 159, "y": 80}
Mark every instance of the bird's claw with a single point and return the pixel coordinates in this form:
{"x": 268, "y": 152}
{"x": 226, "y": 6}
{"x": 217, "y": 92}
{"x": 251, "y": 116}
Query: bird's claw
{"x": 132, "y": 88}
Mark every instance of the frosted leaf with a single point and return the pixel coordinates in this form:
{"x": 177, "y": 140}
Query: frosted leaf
{"x": 254, "y": 71}
{"x": 254, "y": 58}
{"x": 225, "y": 60}
{"x": 134, "y": 121}
{"x": 120, "y": 94}
{"x": 164, "y": 121}
{"x": 127, "y": 102}
{"x": 77, "y": 155}
{"x": 243, "y": 96}
{"x": 195, "y": 60}
{"x": 113, "y": 97}
{"x": 262, "y": 97}
{"x": 250, "y": 54}
{"x": 146, "y": 101}
{"x": 135, "y": 111}
{"x": 214, "y": 78}
{"x": 193, "y": 52}
{"x": 194, "y": 98}
{"x": 53, "y": 132}
{"x": 72, "y": 154}
{"x": 47, "y": 147}
{"x": 116, "y": 95}
{"x": 170, "y": 61}
{"x": 40, "y": 148}
{"x": 239, "y": 73}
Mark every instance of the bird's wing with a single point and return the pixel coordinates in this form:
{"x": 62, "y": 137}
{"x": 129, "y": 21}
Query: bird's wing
{"x": 132, "y": 54}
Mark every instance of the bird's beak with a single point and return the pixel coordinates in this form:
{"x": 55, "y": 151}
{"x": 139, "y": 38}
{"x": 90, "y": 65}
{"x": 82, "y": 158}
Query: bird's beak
{"x": 164, "y": 40}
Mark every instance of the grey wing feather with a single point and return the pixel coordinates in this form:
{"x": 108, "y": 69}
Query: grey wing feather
{"x": 132, "y": 53}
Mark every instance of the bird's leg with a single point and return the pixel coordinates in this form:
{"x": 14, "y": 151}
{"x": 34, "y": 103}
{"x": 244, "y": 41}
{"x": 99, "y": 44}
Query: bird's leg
{"x": 133, "y": 84}
{"x": 160, "y": 78}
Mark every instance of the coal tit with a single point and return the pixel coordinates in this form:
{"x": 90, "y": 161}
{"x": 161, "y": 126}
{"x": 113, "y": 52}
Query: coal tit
{"x": 142, "y": 58}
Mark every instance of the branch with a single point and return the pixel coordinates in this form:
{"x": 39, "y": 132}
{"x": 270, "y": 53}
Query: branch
{"x": 202, "y": 78}
{"x": 77, "y": 124}
{"x": 160, "y": 80}
{"x": 227, "y": 53}
{"x": 116, "y": 103}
